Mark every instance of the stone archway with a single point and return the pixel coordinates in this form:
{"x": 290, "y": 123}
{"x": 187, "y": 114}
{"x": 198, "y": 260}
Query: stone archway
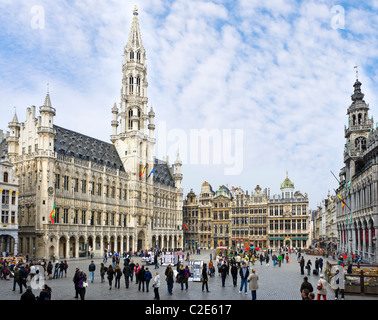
{"x": 141, "y": 241}
{"x": 72, "y": 245}
{"x": 62, "y": 250}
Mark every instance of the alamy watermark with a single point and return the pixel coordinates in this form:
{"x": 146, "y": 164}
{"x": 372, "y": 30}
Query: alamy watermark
{"x": 338, "y": 17}
{"x": 204, "y": 146}
{"x": 38, "y": 17}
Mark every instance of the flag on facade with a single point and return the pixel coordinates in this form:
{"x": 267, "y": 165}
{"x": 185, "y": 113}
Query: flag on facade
{"x": 342, "y": 200}
{"x": 152, "y": 171}
{"x": 141, "y": 174}
{"x": 186, "y": 228}
{"x": 52, "y": 214}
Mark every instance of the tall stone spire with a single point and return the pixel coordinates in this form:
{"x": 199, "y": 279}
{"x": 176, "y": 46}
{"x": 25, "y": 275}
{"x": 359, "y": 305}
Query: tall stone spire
{"x": 135, "y": 39}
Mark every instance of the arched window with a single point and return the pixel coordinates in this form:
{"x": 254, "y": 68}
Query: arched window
{"x": 359, "y": 118}
{"x": 138, "y": 56}
{"x": 5, "y": 177}
{"x": 131, "y": 85}
{"x": 138, "y": 86}
{"x": 360, "y": 144}
{"x": 130, "y": 121}
{"x": 131, "y": 55}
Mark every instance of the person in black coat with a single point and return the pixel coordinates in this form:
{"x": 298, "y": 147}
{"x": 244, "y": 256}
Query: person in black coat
{"x": 224, "y": 272}
{"x": 204, "y": 278}
{"x": 306, "y": 285}
{"x": 127, "y": 272}
{"x": 28, "y": 295}
{"x": 234, "y": 274}
{"x": 22, "y": 277}
{"x": 141, "y": 279}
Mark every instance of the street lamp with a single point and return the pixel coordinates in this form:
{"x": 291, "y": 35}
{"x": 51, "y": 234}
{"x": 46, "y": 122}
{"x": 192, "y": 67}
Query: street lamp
{"x": 374, "y": 249}
{"x": 351, "y": 251}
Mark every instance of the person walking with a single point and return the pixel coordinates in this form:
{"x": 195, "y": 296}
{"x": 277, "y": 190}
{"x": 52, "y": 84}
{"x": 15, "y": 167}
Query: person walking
{"x": 170, "y": 281}
{"x": 267, "y": 260}
{"x": 322, "y": 290}
{"x": 308, "y": 267}
{"x": 204, "y": 278}
{"x": 321, "y": 261}
{"x": 141, "y": 280}
{"x": 339, "y": 284}
{"x": 147, "y": 278}
{"x": 224, "y": 272}
{"x": 132, "y": 267}
{"x": 136, "y": 271}
{"x": 15, "y": 277}
{"x": 102, "y": 272}
{"x": 274, "y": 258}
{"x": 187, "y": 275}
{"x": 253, "y": 283}
{"x": 211, "y": 268}
{"x": 156, "y": 285}
{"x": 244, "y": 274}
{"x": 302, "y": 264}
{"x": 22, "y": 277}
{"x": 92, "y": 268}
{"x": 261, "y": 259}
{"x": 279, "y": 258}
{"x": 306, "y": 285}
{"x": 56, "y": 270}
{"x": 126, "y": 273}
{"x": 234, "y": 274}
{"x": 316, "y": 266}
{"x": 81, "y": 284}
{"x": 118, "y": 275}
{"x": 110, "y": 275}
{"x": 75, "y": 280}
{"x": 156, "y": 262}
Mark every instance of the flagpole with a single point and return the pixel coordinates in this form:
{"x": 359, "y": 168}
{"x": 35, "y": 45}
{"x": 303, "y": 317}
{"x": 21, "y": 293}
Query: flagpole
{"x": 350, "y": 238}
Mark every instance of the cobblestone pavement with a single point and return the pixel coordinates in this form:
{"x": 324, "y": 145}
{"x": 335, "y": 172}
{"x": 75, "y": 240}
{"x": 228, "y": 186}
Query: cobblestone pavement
{"x": 275, "y": 283}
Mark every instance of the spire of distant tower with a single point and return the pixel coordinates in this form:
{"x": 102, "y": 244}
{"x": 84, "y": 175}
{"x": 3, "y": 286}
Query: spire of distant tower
{"x": 135, "y": 39}
{"x": 47, "y": 99}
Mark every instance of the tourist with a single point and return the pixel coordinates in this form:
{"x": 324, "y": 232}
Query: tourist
{"x": 56, "y": 270}
{"x": 156, "y": 285}
{"x": 15, "y": 277}
{"x": 76, "y": 282}
{"x": 81, "y": 284}
{"x": 234, "y": 274}
{"x": 132, "y": 267}
{"x": 322, "y": 291}
{"x": 302, "y": 264}
{"x": 136, "y": 271}
{"x": 244, "y": 274}
{"x": 170, "y": 280}
{"x": 127, "y": 273}
{"x": 118, "y": 275}
{"x": 147, "y": 278}
{"x": 187, "y": 275}
{"x": 181, "y": 276}
{"x": 45, "y": 294}
{"x": 140, "y": 277}
{"x": 339, "y": 284}
{"x": 92, "y": 268}
{"x": 204, "y": 278}
{"x": 253, "y": 285}
{"x": 211, "y": 268}
{"x": 306, "y": 285}
{"x": 28, "y": 295}
{"x": 110, "y": 275}
{"x": 305, "y": 294}
{"x": 308, "y": 267}
{"x": 49, "y": 270}
{"x": 224, "y": 272}
{"x": 22, "y": 277}
{"x": 267, "y": 260}
{"x": 102, "y": 272}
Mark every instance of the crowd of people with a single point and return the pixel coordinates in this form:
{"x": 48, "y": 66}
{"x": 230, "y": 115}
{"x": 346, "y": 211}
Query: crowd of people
{"x": 240, "y": 265}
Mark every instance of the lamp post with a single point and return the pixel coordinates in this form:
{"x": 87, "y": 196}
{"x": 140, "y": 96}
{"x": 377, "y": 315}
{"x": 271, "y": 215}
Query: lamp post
{"x": 374, "y": 249}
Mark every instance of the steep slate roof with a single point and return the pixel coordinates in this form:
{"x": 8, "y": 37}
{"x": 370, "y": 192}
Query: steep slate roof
{"x": 162, "y": 174}
{"x": 80, "y": 146}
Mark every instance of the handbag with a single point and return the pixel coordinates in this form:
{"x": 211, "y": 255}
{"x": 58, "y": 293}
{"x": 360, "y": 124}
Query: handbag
{"x": 320, "y": 286}
{"x": 202, "y": 279}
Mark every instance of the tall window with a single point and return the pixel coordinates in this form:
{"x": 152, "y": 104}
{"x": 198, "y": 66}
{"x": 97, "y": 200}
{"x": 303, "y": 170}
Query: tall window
{"x": 131, "y": 85}
{"x": 5, "y": 197}
{"x": 83, "y": 186}
{"x": 57, "y": 181}
{"x": 131, "y": 55}
{"x": 5, "y": 177}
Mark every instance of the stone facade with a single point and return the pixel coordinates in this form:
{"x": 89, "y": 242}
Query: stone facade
{"x": 107, "y": 196}
{"x": 236, "y": 219}
{"x": 8, "y": 209}
{"x": 357, "y": 220}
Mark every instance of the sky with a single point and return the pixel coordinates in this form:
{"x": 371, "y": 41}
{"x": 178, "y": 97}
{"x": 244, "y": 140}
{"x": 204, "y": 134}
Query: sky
{"x": 245, "y": 90}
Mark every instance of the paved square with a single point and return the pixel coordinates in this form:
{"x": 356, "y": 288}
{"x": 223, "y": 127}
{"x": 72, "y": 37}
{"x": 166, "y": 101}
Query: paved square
{"x": 275, "y": 283}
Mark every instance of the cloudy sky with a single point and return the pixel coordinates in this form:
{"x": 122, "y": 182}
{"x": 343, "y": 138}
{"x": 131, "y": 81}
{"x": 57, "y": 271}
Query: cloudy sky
{"x": 269, "y": 81}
